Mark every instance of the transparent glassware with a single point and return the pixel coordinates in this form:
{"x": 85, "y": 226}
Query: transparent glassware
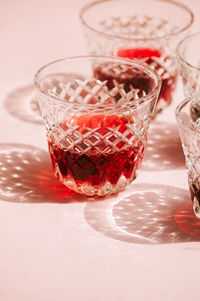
{"x": 188, "y": 58}
{"x": 148, "y": 30}
{"x": 96, "y": 130}
{"x": 188, "y": 121}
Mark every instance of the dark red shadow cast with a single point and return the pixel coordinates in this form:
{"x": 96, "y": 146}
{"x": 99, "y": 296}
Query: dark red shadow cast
{"x": 186, "y": 220}
{"x": 26, "y": 177}
{"x": 145, "y": 214}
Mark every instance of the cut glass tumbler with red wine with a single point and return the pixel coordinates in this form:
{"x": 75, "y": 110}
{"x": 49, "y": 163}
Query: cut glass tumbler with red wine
{"x": 188, "y": 122}
{"x": 96, "y": 129}
{"x": 143, "y": 30}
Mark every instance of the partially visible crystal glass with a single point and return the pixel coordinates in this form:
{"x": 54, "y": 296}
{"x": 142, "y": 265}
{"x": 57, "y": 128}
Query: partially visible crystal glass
{"x": 188, "y": 121}
{"x": 148, "y": 30}
{"x": 188, "y": 58}
{"x": 96, "y": 129}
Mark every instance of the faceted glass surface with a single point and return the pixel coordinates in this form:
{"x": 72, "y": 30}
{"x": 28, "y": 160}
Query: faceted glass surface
{"x": 97, "y": 127}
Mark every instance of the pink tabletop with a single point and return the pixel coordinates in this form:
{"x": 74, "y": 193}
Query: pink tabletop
{"x": 142, "y": 244}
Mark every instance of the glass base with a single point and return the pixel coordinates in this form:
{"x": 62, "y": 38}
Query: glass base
{"x": 89, "y": 190}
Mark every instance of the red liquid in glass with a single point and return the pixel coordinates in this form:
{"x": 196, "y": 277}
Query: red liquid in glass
{"x": 96, "y": 159}
{"x": 158, "y": 61}
{"x": 127, "y": 76}
{"x": 164, "y": 65}
{"x": 195, "y": 193}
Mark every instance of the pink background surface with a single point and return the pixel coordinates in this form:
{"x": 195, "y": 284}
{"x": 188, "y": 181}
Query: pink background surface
{"x": 132, "y": 246}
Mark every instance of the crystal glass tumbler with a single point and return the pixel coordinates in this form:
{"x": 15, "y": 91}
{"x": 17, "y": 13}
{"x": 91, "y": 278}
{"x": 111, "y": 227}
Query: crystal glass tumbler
{"x": 96, "y": 129}
{"x": 148, "y": 30}
{"x": 188, "y": 121}
{"x": 188, "y": 58}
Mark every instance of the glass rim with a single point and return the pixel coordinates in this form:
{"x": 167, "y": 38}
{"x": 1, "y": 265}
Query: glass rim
{"x": 179, "y": 119}
{"x": 134, "y": 62}
{"x": 178, "y": 50}
{"x": 117, "y": 37}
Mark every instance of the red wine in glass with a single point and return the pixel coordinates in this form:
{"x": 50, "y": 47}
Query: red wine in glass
{"x": 195, "y": 196}
{"x": 97, "y": 152}
{"x": 163, "y": 64}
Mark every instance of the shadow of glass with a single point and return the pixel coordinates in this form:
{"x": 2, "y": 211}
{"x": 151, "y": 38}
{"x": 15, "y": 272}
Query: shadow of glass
{"x": 163, "y": 150}
{"x": 187, "y": 221}
{"x": 144, "y": 215}
{"x": 22, "y": 104}
{"x": 26, "y": 177}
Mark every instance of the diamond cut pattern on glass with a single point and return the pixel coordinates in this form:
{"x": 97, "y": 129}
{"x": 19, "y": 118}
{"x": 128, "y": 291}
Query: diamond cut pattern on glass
{"x": 85, "y": 137}
{"x": 94, "y": 140}
{"x": 136, "y": 26}
{"x": 95, "y": 91}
